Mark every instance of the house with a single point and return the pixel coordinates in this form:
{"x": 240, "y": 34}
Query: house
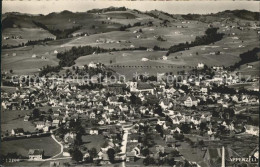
{"x": 171, "y": 90}
{"x": 17, "y": 132}
{"x": 86, "y": 155}
{"x": 175, "y": 120}
{"x": 56, "y": 113}
{"x": 101, "y": 122}
{"x": 35, "y": 154}
{"x": 235, "y": 98}
{"x": 144, "y": 59}
{"x": 200, "y": 65}
{"x": 245, "y": 99}
{"x": 149, "y": 49}
{"x": 253, "y": 130}
{"x": 93, "y": 132}
{"x": 188, "y": 101}
{"x": 165, "y": 104}
{"x": 130, "y": 156}
{"x": 55, "y": 164}
{"x": 123, "y": 108}
{"x": 56, "y": 123}
{"x": 217, "y": 68}
{"x": 133, "y": 138}
{"x": 161, "y": 121}
{"x": 104, "y": 159}
{"x": 26, "y": 118}
{"x": 46, "y": 128}
{"x": 92, "y": 64}
{"x": 109, "y": 108}
{"x": 92, "y": 115}
{"x": 69, "y": 137}
{"x": 164, "y": 58}
{"x": 113, "y": 100}
{"x": 196, "y": 120}
{"x": 40, "y": 124}
{"x": 249, "y": 66}
{"x": 204, "y": 90}
{"x": 66, "y": 152}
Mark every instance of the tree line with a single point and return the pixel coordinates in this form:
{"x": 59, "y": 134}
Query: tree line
{"x": 124, "y": 27}
{"x": 60, "y": 34}
{"x": 247, "y": 57}
{"x": 110, "y": 9}
{"x": 67, "y": 58}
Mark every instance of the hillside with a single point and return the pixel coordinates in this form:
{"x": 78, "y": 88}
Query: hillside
{"x": 66, "y": 24}
{"x": 241, "y": 14}
{"x": 127, "y": 30}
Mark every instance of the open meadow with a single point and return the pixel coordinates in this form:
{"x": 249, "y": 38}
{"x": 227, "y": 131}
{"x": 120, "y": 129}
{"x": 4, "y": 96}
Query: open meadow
{"x": 22, "y": 146}
{"x": 13, "y": 119}
{"x": 93, "y": 141}
{"x": 28, "y": 60}
{"x": 102, "y": 30}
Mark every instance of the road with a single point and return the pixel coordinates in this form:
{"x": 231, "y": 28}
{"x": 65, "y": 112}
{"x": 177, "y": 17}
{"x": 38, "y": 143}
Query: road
{"x": 61, "y": 147}
{"x": 124, "y": 144}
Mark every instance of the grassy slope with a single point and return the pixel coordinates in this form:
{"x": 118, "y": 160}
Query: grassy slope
{"x": 26, "y": 33}
{"x": 23, "y": 63}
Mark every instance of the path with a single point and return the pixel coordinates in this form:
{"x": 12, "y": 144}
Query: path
{"x": 60, "y": 153}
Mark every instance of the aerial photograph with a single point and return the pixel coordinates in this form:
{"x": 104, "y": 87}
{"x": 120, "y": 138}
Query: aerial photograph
{"x": 130, "y": 83}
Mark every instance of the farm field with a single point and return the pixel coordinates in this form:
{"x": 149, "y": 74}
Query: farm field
{"x": 129, "y": 62}
{"x": 22, "y": 146}
{"x": 229, "y": 51}
{"x": 172, "y": 34}
{"x": 252, "y": 71}
{"x": 130, "y": 57}
{"x": 21, "y": 60}
{"x": 26, "y": 34}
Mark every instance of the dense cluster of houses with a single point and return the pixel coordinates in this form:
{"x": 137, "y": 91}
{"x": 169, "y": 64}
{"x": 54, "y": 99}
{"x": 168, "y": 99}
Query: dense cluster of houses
{"x": 191, "y": 103}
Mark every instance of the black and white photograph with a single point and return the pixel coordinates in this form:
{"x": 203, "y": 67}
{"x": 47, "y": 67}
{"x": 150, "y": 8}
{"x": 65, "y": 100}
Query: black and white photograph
{"x": 130, "y": 83}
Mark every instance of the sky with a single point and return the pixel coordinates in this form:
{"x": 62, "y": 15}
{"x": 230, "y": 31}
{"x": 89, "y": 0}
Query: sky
{"x": 173, "y": 7}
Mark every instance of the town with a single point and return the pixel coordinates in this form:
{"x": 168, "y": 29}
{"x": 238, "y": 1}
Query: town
{"x": 123, "y": 87}
{"x": 140, "y": 122}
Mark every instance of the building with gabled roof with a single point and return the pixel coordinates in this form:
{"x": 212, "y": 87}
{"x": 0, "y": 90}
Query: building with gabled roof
{"x": 35, "y": 154}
